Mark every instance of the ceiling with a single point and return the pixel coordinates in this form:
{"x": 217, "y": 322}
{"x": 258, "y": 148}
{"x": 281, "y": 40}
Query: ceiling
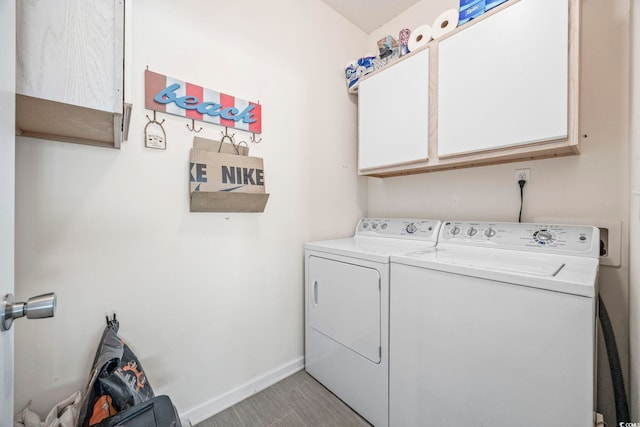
{"x": 369, "y": 15}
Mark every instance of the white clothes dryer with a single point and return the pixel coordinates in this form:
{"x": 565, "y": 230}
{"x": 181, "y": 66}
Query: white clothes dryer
{"x": 496, "y": 326}
{"x": 347, "y": 310}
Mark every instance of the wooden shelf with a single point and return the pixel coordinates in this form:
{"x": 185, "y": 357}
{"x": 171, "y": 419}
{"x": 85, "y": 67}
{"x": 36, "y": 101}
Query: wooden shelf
{"x": 44, "y": 119}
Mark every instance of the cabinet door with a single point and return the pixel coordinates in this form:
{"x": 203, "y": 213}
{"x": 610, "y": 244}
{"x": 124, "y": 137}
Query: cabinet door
{"x": 345, "y": 305}
{"x": 504, "y": 81}
{"x": 71, "y": 51}
{"x": 393, "y": 113}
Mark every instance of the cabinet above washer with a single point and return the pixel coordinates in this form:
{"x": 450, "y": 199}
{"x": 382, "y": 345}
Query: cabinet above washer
{"x": 69, "y": 76}
{"x": 391, "y": 111}
{"x": 502, "y": 88}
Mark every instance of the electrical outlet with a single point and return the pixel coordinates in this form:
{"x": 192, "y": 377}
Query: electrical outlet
{"x": 523, "y": 174}
{"x": 604, "y": 241}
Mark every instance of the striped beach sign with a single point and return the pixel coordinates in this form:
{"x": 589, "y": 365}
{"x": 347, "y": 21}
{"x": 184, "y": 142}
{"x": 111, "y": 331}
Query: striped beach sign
{"x": 173, "y": 96}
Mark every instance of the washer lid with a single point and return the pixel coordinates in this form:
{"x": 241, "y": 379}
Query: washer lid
{"x": 374, "y": 249}
{"x": 568, "y": 274}
{"x": 508, "y": 262}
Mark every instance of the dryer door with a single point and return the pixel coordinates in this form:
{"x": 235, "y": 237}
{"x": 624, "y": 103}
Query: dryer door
{"x": 344, "y": 304}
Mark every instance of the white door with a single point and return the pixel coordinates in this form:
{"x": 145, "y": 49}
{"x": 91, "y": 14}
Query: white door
{"x": 345, "y": 305}
{"x": 504, "y": 81}
{"x": 393, "y": 114}
{"x": 7, "y": 192}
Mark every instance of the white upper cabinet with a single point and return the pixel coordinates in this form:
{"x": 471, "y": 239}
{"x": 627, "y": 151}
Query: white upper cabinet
{"x": 392, "y": 108}
{"x": 502, "y": 87}
{"x": 504, "y": 81}
{"x": 69, "y": 74}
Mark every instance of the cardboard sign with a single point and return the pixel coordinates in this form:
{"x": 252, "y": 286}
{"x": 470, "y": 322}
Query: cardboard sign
{"x": 222, "y": 179}
{"x": 184, "y": 99}
{"x": 211, "y": 171}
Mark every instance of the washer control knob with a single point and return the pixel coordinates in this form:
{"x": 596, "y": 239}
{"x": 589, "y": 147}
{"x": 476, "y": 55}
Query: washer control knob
{"x": 384, "y": 226}
{"x": 455, "y": 230}
{"x": 489, "y": 233}
{"x": 374, "y": 225}
{"x": 472, "y": 231}
{"x": 411, "y": 228}
{"x": 544, "y": 235}
{"x": 365, "y": 225}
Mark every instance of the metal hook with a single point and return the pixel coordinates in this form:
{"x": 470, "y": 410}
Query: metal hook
{"x": 254, "y": 140}
{"x": 193, "y": 126}
{"x": 154, "y": 119}
{"x": 111, "y": 322}
{"x": 225, "y": 134}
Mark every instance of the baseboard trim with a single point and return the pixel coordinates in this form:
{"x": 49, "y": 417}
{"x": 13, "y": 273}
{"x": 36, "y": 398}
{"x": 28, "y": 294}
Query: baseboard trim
{"x": 222, "y": 402}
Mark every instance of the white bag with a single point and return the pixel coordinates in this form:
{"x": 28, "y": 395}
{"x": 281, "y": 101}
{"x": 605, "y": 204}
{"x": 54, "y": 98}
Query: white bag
{"x": 64, "y": 414}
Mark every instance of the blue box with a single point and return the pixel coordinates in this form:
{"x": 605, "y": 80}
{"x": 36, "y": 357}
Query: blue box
{"x": 490, "y": 4}
{"x": 466, "y": 4}
{"x": 471, "y": 12}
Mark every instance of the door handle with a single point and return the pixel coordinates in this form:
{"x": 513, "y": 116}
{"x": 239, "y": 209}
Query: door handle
{"x": 38, "y": 307}
{"x": 315, "y": 292}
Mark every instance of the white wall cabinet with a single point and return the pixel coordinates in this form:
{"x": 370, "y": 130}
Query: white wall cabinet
{"x": 503, "y": 87}
{"x": 391, "y": 111}
{"x": 505, "y": 79}
{"x": 69, "y": 73}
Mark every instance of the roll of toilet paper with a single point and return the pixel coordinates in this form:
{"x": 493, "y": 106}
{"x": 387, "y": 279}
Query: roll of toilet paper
{"x": 445, "y": 23}
{"x": 419, "y": 37}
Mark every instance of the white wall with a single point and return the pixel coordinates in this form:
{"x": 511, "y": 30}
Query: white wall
{"x": 593, "y": 185}
{"x": 634, "y": 216}
{"x": 208, "y": 301}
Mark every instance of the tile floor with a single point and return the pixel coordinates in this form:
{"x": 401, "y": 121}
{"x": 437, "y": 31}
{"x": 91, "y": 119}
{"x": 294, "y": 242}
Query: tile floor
{"x": 296, "y": 401}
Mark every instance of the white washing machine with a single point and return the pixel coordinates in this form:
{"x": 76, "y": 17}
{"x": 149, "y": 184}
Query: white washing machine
{"x": 496, "y": 326}
{"x": 347, "y": 310}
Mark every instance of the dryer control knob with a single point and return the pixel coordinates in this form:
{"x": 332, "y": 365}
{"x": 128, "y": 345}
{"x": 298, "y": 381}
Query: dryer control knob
{"x": 489, "y": 233}
{"x": 411, "y": 228}
{"x": 472, "y": 231}
{"x": 365, "y": 225}
{"x": 455, "y": 230}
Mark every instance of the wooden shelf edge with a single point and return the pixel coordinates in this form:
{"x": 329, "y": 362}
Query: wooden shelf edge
{"x": 62, "y": 138}
{"x": 436, "y": 165}
{"x": 56, "y": 121}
